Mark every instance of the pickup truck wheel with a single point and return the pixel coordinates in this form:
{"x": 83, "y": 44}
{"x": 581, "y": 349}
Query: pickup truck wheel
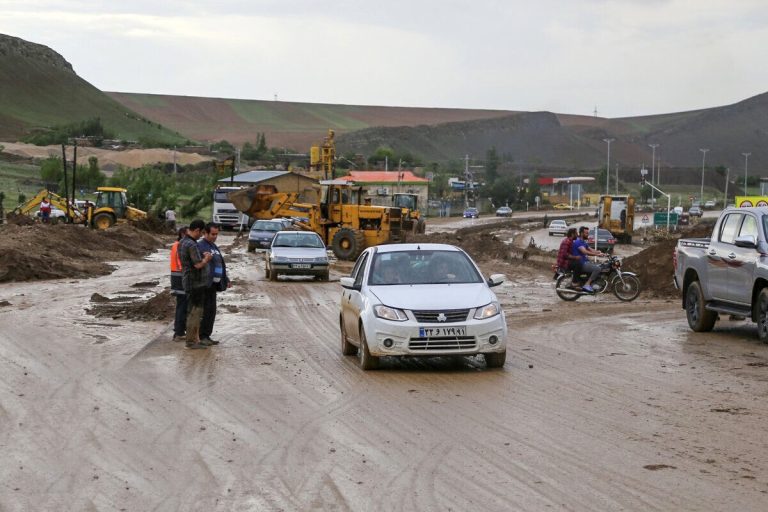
{"x": 762, "y": 315}
{"x": 699, "y": 318}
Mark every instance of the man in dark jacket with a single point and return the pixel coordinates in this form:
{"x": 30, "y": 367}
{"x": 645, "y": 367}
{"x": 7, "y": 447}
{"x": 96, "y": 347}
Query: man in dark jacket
{"x": 195, "y": 280}
{"x": 218, "y": 281}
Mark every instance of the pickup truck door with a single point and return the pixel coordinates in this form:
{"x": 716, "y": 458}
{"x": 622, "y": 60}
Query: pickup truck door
{"x": 741, "y": 269}
{"x": 720, "y": 255}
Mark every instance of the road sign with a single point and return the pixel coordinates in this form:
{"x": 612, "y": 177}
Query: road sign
{"x": 645, "y": 219}
{"x": 660, "y": 218}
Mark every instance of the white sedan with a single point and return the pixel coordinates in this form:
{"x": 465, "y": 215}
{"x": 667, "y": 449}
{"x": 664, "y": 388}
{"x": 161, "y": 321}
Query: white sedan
{"x": 558, "y": 227}
{"x": 420, "y": 300}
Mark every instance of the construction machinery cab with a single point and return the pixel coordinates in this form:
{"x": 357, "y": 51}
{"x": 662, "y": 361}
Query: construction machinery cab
{"x": 112, "y": 207}
{"x": 409, "y": 204}
{"x": 114, "y": 198}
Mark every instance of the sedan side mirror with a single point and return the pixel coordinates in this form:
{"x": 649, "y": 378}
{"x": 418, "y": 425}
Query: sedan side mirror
{"x": 747, "y": 241}
{"x": 348, "y": 283}
{"x": 495, "y": 280}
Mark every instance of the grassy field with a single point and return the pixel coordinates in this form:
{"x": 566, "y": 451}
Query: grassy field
{"x": 18, "y": 179}
{"x": 38, "y": 95}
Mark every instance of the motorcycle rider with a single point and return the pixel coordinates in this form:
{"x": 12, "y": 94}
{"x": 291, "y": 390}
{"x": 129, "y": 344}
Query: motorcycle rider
{"x": 582, "y": 250}
{"x": 566, "y": 260}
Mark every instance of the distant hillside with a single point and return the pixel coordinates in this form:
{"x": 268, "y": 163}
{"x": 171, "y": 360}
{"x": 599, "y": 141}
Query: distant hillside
{"x": 39, "y": 89}
{"x": 532, "y": 139}
{"x": 286, "y": 124}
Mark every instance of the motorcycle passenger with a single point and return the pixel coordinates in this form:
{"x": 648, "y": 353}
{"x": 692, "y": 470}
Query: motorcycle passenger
{"x": 566, "y": 260}
{"x": 583, "y": 251}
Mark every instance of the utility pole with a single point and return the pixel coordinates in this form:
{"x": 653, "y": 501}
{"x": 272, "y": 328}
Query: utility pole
{"x": 727, "y": 178}
{"x": 617, "y": 178}
{"x": 746, "y": 160}
{"x": 703, "y": 159}
{"x": 607, "y": 168}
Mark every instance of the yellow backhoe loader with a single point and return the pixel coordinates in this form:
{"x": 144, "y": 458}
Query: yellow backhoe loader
{"x": 111, "y": 206}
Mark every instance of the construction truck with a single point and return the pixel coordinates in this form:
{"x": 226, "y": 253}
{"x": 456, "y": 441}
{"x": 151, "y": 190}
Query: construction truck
{"x": 412, "y": 219}
{"x": 617, "y": 215}
{"x": 111, "y": 206}
{"x": 340, "y": 215}
{"x": 224, "y": 213}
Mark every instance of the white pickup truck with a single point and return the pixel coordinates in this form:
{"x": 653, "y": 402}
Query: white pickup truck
{"x": 727, "y": 273}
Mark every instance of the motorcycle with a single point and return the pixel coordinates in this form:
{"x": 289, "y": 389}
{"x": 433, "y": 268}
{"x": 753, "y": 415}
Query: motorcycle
{"x": 625, "y": 285}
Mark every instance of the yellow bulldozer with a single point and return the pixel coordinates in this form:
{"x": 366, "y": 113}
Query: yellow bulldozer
{"x": 340, "y": 215}
{"x": 111, "y": 206}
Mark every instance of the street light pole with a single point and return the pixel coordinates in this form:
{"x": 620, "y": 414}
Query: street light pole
{"x": 746, "y": 159}
{"x": 608, "y": 167}
{"x": 703, "y": 159}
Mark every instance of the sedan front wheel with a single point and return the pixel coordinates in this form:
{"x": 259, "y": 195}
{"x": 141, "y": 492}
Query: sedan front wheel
{"x": 367, "y": 361}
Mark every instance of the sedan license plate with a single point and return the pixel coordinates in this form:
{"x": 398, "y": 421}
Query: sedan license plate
{"x": 301, "y": 265}
{"x": 438, "y": 332}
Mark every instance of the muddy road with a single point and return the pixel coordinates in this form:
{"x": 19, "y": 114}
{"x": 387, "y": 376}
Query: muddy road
{"x": 601, "y": 406}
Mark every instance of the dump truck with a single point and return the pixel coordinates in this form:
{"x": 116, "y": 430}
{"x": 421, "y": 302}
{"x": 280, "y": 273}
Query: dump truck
{"x": 340, "y": 216}
{"x": 412, "y": 218}
{"x": 617, "y": 215}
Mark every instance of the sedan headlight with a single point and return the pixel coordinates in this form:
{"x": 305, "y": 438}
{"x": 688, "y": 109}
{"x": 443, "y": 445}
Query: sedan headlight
{"x": 388, "y": 313}
{"x": 487, "y": 311}
{"x": 279, "y": 259}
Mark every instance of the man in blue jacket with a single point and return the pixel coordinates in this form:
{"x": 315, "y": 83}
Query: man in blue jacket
{"x": 217, "y": 281}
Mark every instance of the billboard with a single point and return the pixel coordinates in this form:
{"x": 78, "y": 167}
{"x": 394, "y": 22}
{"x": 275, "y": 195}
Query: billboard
{"x": 747, "y": 201}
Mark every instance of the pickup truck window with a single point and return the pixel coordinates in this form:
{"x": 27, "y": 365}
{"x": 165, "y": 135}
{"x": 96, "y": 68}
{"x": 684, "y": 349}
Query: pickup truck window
{"x": 749, "y": 227}
{"x": 730, "y": 228}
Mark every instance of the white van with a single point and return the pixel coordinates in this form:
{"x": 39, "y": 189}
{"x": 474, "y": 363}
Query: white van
{"x": 678, "y": 210}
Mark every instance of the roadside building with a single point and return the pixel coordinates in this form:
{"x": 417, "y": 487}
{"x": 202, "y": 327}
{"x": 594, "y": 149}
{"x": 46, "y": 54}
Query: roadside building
{"x": 381, "y": 185}
{"x": 284, "y": 181}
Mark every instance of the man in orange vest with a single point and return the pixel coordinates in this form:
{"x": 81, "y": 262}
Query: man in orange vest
{"x": 177, "y": 289}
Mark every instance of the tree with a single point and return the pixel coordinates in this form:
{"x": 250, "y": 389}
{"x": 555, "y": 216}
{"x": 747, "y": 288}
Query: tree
{"x": 534, "y": 189}
{"x": 491, "y": 165}
{"x": 504, "y": 191}
{"x": 51, "y": 171}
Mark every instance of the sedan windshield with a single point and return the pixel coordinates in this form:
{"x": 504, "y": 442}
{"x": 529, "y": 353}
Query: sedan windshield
{"x": 266, "y": 226}
{"x": 422, "y": 267}
{"x": 298, "y": 240}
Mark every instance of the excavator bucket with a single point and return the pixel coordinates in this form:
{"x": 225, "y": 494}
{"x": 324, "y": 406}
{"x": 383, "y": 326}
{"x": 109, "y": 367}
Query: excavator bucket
{"x": 253, "y": 199}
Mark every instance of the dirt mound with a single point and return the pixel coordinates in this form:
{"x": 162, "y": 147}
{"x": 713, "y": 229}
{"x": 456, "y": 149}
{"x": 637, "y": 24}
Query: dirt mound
{"x": 161, "y": 306}
{"x": 489, "y": 242}
{"x": 44, "y": 251}
{"x": 654, "y": 265}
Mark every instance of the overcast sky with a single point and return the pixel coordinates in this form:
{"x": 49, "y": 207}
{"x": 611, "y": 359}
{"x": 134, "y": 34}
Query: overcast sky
{"x": 624, "y": 57}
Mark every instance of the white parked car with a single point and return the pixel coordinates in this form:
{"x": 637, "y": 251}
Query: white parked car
{"x": 420, "y": 300}
{"x": 558, "y": 227}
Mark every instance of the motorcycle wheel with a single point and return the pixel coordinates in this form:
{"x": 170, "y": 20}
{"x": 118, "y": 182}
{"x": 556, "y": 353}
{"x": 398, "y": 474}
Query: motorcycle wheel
{"x": 626, "y": 287}
{"x": 563, "y": 289}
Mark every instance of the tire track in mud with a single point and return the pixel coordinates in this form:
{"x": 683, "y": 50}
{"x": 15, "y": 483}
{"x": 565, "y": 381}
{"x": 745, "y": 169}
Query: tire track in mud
{"x": 634, "y": 390}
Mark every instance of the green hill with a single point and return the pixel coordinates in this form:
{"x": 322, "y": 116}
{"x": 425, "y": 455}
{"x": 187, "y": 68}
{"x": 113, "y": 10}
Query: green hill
{"x": 39, "y": 90}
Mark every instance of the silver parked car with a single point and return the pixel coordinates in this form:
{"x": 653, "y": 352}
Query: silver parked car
{"x": 420, "y": 300}
{"x": 301, "y": 253}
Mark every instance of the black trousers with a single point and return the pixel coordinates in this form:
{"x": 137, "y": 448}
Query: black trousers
{"x": 180, "y": 320}
{"x": 209, "y": 312}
